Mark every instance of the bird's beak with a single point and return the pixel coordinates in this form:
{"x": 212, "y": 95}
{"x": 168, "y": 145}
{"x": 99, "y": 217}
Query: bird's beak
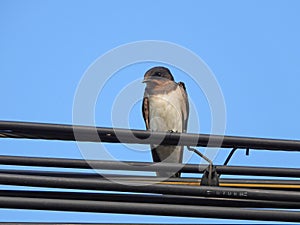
{"x": 146, "y": 80}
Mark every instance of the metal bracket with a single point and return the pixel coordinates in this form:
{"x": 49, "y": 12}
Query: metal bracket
{"x": 210, "y": 176}
{"x": 231, "y": 154}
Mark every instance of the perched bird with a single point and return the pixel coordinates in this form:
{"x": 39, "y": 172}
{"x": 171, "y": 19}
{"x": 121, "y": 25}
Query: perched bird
{"x": 165, "y": 108}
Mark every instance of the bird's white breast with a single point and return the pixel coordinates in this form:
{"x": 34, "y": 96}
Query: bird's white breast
{"x": 166, "y": 111}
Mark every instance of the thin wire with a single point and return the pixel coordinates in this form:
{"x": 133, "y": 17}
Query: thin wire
{"x": 229, "y": 156}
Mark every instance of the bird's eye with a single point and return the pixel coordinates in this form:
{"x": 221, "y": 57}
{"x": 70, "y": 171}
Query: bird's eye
{"x": 157, "y": 74}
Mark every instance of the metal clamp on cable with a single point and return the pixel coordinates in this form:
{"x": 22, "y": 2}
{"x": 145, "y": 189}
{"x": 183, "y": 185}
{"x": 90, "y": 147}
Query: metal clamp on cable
{"x": 210, "y": 176}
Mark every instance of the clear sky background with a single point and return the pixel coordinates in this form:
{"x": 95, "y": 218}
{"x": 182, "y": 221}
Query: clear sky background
{"x": 252, "y": 47}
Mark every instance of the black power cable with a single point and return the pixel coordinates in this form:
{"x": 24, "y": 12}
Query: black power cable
{"x": 153, "y": 198}
{"x": 147, "y": 209}
{"x": 163, "y": 199}
{"x": 125, "y": 186}
{"x": 145, "y": 166}
{"x": 10, "y": 129}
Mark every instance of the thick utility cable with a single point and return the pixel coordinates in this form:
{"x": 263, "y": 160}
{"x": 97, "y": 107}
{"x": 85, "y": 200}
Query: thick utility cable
{"x": 141, "y": 178}
{"x": 100, "y": 164}
{"x": 158, "y": 199}
{"x": 148, "y": 209}
{"x": 146, "y": 166}
{"x": 10, "y": 129}
{"x": 289, "y": 185}
{"x": 105, "y": 185}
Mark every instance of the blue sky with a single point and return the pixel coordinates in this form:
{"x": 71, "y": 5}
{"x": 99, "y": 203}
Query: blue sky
{"x": 252, "y": 47}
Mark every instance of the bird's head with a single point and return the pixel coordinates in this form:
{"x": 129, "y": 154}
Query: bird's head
{"x": 158, "y": 75}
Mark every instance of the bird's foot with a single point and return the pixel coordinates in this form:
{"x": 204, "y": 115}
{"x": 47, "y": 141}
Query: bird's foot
{"x": 173, "y": 131}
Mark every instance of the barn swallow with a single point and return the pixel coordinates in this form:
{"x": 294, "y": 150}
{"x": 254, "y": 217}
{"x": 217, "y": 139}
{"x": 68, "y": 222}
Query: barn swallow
{"x": 165, "y": 108}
